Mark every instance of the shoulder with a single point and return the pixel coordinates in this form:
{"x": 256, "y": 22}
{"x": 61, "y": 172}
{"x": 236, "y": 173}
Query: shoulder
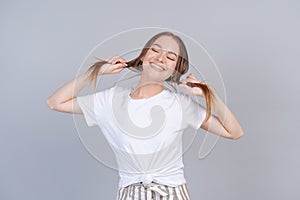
{"x": 101, "y": 97}
{"x": 113, "y": 94}
{"x": 186, "y": 100}
{"x": 107, "y": 92}
{"x": 179, "y": 95}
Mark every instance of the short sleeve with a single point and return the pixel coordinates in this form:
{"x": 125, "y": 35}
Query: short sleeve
{"x": 193, "y": 112}
{"x": 86, "y": 103}
{"x": 92, "y": 105}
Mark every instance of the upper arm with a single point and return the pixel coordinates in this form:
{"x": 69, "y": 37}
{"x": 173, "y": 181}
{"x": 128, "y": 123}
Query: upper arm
{"x": 214, "y": 125}
{"x": 70, "y": 106}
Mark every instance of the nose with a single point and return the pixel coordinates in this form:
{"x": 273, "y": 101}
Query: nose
{"x": 160, "y": 57}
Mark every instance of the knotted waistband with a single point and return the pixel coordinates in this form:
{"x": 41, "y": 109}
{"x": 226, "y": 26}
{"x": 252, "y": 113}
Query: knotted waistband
{"x": 156, "y": 187}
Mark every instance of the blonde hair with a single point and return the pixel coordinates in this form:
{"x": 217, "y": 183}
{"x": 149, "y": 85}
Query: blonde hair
{"x": 182, "y": 66}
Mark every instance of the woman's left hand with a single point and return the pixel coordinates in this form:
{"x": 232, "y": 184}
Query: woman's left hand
{"x": 193, "y": 90}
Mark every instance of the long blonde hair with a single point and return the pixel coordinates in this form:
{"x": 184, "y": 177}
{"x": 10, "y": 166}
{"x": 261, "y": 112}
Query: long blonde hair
{"x": 182, "y": 66}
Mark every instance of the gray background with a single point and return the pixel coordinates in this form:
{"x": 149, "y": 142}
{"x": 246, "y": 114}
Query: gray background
{"x": 254, "y": 43}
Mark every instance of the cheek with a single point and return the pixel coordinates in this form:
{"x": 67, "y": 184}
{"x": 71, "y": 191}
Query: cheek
{"x": 170, "y": 71}
{"x": 171, "y": 65}
{"x": 150, "y": 54}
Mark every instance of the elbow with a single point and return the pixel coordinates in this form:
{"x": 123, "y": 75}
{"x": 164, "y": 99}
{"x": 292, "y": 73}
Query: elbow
{"x": 237, "y": 136}
{"x": 50, "y": 104}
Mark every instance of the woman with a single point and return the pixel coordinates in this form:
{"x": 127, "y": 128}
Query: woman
{"x": 164, "y": 58}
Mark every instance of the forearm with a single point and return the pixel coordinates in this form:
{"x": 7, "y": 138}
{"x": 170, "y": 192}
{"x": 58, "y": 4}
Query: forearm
{"x": 227, "y": 118}
{"x": 69, "y": 90}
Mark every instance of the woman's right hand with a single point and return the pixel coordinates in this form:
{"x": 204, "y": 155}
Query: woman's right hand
{"x": 115, "y": 64}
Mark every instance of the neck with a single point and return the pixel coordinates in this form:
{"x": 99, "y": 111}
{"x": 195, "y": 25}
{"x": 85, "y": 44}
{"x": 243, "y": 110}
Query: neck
{"x": 146, "y": 89}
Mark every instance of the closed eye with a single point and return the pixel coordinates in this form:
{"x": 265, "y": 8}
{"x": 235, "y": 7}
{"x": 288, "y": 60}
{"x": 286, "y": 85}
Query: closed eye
{"x": 154, "y": 50}
{"x": 157, "y": 51}
{"x": 171, "y": 59}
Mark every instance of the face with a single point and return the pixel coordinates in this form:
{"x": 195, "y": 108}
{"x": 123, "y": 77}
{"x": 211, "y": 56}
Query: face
{"x": 161, "y": 58}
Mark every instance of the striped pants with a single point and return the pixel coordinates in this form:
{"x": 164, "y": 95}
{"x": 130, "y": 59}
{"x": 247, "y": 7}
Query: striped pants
{"x": 153, "y": 191}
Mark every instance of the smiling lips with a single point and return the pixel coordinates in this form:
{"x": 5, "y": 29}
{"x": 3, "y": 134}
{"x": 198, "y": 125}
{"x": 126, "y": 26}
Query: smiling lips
{"x": 157, "y": 67}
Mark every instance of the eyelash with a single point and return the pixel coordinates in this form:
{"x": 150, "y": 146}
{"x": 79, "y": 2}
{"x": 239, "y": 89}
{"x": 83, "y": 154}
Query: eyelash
{"x": 157, "y": 52}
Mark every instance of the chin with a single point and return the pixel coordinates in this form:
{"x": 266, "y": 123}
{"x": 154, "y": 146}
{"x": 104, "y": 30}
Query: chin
{"x": 155, "y": 78}
{"x": 156, "y": 74}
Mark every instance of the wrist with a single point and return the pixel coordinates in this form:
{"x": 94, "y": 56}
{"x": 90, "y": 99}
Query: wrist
{"x": 84, "y": 78}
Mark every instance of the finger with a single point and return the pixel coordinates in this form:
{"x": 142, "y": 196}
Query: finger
{"x": 115, "y": 59}
{"x": 192, "y": 75}
{"x": 108, "y": 59}
{"x": 190, "y": 80}
{"x": 189, "y": 75}
{"x": 118, "y": 70}
{"x": 112, "y": 59}
{"x": 119, "y": 66}
{"x": 183, "y": 81}
{"x": 185, "y": 87}
{"x": 121, "y": 60}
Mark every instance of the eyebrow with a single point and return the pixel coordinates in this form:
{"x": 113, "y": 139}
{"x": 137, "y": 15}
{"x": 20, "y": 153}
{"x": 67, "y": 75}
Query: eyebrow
{"x": 168, "y": 51}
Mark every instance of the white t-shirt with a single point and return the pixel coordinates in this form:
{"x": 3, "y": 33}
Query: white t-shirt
{"x": 145, "y": 134}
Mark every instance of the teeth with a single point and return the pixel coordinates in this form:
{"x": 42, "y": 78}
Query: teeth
{"x": 157, "y": 66}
